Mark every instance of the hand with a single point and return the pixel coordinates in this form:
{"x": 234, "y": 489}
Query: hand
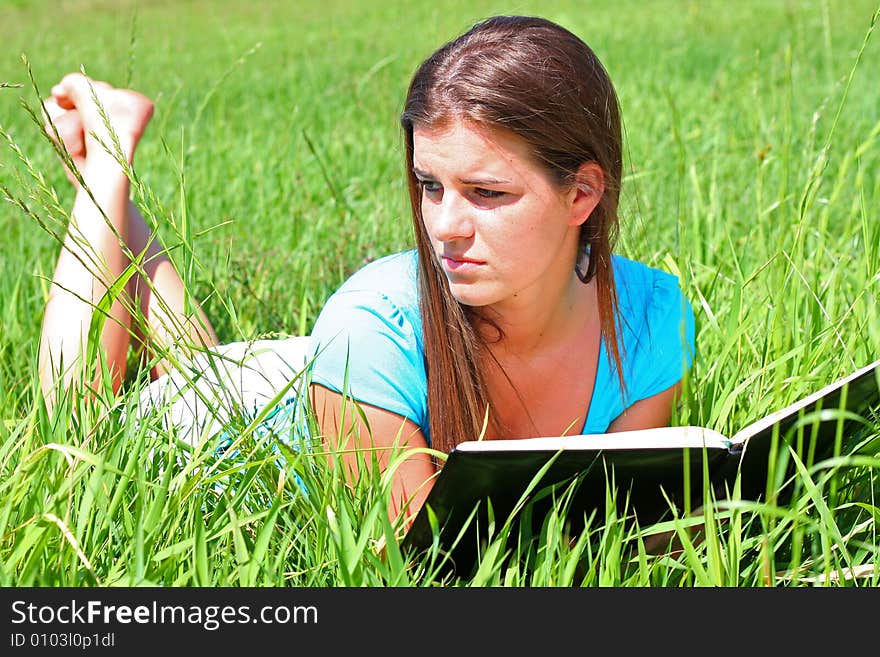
{"x": 74, "y": 103}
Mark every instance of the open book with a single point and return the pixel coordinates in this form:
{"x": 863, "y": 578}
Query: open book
{"x": 650, "y": 467}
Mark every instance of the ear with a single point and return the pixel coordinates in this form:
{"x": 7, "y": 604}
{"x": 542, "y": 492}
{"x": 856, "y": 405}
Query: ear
{"x": 587, "y": 192}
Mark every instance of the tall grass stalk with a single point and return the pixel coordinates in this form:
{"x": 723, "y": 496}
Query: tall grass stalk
{"x": 753, "y": 174}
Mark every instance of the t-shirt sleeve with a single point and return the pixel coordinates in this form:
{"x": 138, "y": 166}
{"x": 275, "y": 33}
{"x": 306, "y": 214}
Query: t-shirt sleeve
{"x": 366, "y": 347}
{"x": 667, "y": 342}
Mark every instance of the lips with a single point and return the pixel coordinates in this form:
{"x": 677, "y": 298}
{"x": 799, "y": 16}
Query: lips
{"x": 459, "y": 262}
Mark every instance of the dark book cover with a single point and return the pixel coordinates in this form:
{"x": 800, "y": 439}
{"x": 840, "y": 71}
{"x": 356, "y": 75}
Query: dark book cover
{"x": 654, "y": 471}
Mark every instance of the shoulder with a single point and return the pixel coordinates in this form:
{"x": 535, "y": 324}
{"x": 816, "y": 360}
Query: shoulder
{"x": 383, "y": 291}
{"x": 646, "y": 294}
{"x": 638, "y": 280}
{"x": 394, "y": 275}
{"x": 656, "y": 327}
{"x": 367, "y": 340}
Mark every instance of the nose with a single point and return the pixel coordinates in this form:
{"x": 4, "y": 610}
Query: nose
{"x": 448, "y": 218}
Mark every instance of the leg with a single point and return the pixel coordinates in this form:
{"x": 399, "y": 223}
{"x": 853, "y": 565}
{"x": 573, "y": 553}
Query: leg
{"x": 152, "y": 308}
{"x": 91, "y": 259}
{"x": 234, "y": 380}
{"x": 105, "y": 230}
{"x": 160, "y": 296}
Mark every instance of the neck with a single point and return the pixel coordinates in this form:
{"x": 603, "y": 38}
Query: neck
{"x": 536, "y": 321}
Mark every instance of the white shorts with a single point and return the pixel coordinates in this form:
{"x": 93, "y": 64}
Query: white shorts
{"x": 235, "y": 380}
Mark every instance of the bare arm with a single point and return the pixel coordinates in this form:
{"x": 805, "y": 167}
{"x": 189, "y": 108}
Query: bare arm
{"x": 412, "y": 480}
{"x": 648, "y": 413}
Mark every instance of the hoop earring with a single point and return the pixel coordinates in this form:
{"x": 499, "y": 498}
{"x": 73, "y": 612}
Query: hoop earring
{"x": 582, "y": 265}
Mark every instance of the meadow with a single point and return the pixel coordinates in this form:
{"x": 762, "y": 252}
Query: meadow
{"x": 273, "y": 169}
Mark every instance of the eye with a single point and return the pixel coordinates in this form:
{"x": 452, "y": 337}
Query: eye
{"x": 488, "y": 193}
{"x": 431, "y": 186}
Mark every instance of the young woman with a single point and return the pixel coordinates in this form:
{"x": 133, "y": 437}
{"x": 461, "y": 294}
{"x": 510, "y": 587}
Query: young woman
{"x": 511, "y": 317}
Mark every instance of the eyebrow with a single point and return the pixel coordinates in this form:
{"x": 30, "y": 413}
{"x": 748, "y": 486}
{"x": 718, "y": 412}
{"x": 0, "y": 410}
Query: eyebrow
{"x": 465, "y": 181}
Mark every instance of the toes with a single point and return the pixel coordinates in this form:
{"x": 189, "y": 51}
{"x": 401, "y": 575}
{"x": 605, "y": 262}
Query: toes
{"x": 72, "y": 90}
{"x": 52, "y": 109}
{"x": 69, "y": 129}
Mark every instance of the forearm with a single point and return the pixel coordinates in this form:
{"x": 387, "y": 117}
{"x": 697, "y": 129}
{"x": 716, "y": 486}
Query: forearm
{"x": 362, "y": 432}
{"x": 413, "y": 480}
{"x": 648, "y": 413}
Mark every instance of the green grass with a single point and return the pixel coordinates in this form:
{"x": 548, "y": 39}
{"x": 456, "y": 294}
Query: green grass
{"x": 753, "y": 173}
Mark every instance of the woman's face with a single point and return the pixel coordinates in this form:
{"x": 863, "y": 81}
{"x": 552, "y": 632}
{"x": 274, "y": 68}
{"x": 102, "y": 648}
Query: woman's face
{"x": 503, "y": 231}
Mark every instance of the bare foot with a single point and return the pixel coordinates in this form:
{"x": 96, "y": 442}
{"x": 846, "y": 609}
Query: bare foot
{"x": 127, "y": 114}
{"x": 64, "y": 127}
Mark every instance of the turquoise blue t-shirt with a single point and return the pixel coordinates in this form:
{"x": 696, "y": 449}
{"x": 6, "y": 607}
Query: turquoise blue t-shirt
{"x": 368, "y": 337}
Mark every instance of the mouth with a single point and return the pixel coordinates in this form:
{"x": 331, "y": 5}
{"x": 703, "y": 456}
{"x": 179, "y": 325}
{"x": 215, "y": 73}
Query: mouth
{"x": 459, "y": 263}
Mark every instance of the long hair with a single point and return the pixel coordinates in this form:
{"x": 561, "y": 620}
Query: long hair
{"x": 539, "y": 81}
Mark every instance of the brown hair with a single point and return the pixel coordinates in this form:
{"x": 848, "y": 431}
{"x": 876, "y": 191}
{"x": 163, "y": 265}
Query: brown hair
{"x": 539, "y": 81}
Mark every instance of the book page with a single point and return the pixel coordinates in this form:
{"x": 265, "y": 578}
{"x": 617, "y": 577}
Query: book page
{"x": 857, "y": 397}
{"x": 660, "y": 438}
